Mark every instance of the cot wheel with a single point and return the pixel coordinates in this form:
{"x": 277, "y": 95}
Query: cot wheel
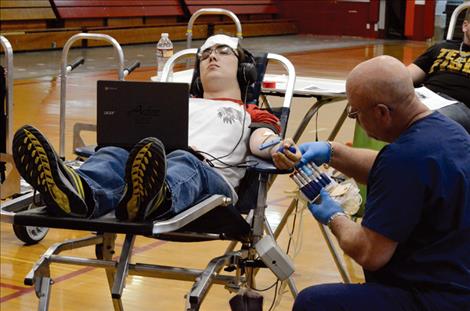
{"x": 30, "y": 235}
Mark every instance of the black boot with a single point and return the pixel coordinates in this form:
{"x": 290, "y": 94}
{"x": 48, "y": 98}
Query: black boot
{"x": 60, "y": 186}
{"x": 145, "y": 181}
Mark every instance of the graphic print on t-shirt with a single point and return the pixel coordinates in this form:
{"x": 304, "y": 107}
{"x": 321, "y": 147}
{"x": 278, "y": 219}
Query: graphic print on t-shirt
{"x": 452, "y": 60}
{"x": 229, "y": 115}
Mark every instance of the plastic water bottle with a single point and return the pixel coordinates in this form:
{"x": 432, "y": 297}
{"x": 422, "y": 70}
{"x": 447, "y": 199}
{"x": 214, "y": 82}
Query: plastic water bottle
{"x": 164, "y": 52}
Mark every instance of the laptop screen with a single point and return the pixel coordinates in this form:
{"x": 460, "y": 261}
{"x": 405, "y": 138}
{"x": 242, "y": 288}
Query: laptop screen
{"x": 128, "y": 111}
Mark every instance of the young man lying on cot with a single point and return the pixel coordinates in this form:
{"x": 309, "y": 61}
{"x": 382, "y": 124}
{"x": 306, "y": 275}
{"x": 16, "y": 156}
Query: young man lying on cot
{"x": 146, "y": 183}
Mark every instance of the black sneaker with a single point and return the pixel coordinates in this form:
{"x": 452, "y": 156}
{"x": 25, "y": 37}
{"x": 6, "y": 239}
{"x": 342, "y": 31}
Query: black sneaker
{"x": 60, "y": 186}
{"x": 145, "y": 181}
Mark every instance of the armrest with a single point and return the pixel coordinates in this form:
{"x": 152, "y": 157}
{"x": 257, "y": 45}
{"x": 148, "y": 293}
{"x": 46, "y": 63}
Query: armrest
{"x": 259, "y": 165}
{"x": 190, "y": 214}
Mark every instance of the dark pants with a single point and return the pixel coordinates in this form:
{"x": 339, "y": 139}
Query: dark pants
{"x": 352, "y": 297}
{"x": 458, "y": 112}
{"x": 187, "y": 177}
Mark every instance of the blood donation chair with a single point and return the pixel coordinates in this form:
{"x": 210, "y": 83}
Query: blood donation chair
{"x": 214, "y": 218}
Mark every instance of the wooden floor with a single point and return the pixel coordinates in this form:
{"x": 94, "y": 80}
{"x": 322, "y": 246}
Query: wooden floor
{"x": 78, "y": 288}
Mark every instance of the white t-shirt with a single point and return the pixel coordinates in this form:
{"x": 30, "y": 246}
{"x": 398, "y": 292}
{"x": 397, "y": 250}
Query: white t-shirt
{"x": 220, "y": 129}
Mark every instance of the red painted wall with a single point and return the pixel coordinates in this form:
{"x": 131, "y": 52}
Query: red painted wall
{"x": 332, "y": 17}
{"x": 342, "y": 17}
{"x": 419, "y": 22}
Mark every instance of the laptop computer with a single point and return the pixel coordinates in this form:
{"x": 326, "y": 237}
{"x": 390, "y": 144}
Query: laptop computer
{"x": 128, "y": 111}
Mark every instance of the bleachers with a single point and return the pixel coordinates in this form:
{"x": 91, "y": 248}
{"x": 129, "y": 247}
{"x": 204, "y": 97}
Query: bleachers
{"x": 118, "y": 12}
{"x": 258, "y": 17}
{"x": 90, "y": 8}
{"x": 258, "y": 28}
{"x": 37, "y": 24}
{"x": 245, "y": 9}
{"x": 25, "y": 14}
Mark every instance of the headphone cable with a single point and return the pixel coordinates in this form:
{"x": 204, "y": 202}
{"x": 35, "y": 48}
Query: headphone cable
{"x": 236, "y": 145}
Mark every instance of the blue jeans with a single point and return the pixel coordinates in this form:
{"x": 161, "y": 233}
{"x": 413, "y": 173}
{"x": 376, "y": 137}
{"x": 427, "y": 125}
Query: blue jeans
{"x": 188, "y": 179}
{"x": 375, "y": 296}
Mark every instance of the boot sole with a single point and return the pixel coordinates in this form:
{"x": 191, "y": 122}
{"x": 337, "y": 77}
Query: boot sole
{"x": 142, "y": 185}
{"x": 40, "y": 166}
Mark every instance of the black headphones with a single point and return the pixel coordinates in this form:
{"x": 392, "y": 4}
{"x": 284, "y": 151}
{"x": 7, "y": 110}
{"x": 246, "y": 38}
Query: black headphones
{"x": 246, "y": 75}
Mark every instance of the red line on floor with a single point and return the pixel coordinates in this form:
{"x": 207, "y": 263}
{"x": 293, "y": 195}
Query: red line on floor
{"x": 10, "y": 286}
{"x": 21, "y": 292}
{"x": 26, "y": 290}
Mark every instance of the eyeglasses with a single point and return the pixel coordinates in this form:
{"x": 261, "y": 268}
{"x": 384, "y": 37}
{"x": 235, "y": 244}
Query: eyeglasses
{"x": 223, "y": 50}
{"x": 353, "y": 114}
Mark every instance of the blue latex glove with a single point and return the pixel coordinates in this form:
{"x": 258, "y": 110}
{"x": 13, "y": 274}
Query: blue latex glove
{"x": 327, "y": 208}
{"x": 318, "y": 152}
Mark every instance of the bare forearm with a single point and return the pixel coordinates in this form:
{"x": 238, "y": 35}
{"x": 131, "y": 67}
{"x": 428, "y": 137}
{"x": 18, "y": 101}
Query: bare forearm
{"x": 417, "y": 74}
{"x": 260, "y": 136}
{"x": 368, "y": 248}
{"x": 354, "y": 162}
{"x": 349, "y": 238}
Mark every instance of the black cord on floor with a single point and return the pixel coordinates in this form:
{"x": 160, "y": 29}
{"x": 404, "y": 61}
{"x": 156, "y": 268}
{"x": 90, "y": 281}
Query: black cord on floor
{"x": 264, "y": 289}
{"x": 316, "y": 124}
{"x": 293, "y": 228}
{"x": 275, "y": 296}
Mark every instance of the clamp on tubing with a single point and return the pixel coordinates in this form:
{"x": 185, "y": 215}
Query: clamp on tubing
{"x": 131, "y": 68}
{"x": 77, "y": 62}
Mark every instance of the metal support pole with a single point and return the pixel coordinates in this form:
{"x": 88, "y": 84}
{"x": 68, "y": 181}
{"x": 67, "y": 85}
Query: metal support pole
{"x": 211, "y": 11}
{"x": 65, "y": 69}
{"x": 9, "y": 83}
{"x": 453, "y": 19}
{"x": 336, "y": 257}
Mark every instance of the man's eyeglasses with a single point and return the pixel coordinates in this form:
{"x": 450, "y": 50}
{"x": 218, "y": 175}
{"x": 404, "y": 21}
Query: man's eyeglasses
{"x": 354, "y": 113}
{"x": 218, "y": 50}
{"x": 351, "y": 113}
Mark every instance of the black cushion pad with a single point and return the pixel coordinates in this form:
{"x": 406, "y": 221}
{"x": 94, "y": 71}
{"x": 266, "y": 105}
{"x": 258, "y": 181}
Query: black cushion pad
{"x": 224, "y": 220}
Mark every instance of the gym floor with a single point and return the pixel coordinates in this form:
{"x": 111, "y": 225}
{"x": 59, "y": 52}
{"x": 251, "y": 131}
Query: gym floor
{"x": 36, "y": 102}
